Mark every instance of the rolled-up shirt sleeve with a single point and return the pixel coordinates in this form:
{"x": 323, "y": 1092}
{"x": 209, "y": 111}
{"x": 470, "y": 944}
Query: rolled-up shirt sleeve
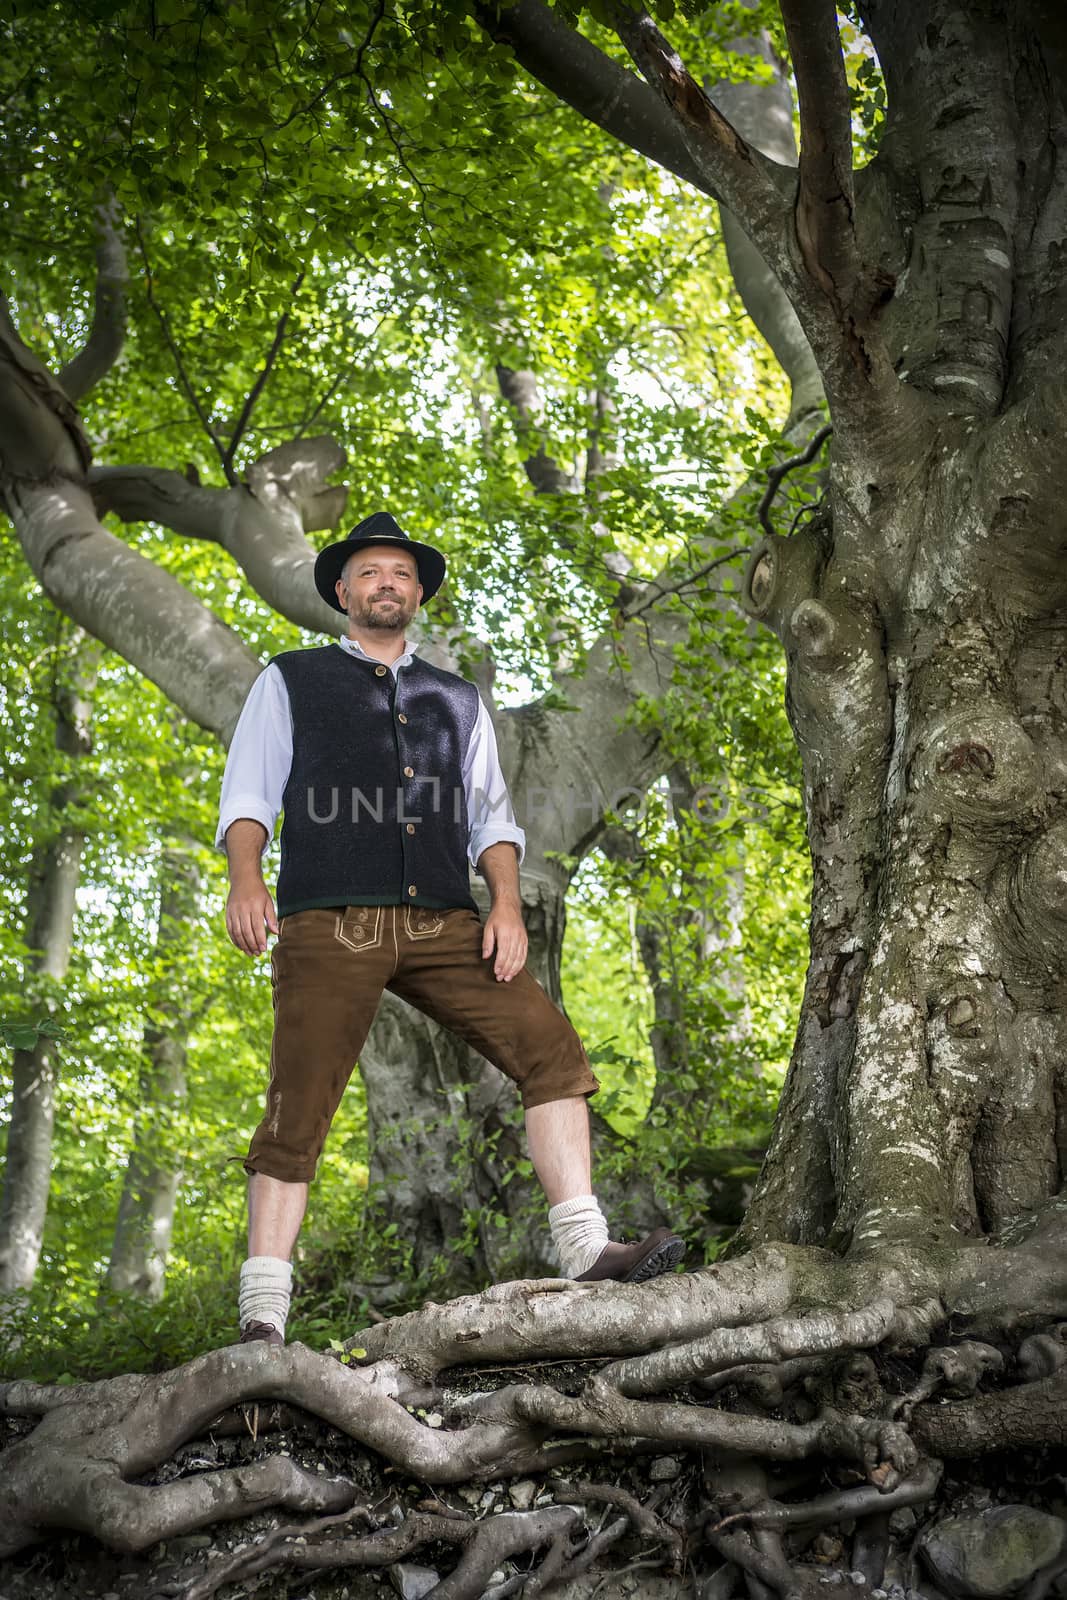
{"x": 489, "y": 812}
{"x": 259, "y": 759}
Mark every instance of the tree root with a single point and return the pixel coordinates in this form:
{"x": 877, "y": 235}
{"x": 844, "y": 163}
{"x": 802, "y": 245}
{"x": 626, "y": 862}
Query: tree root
{"x": 822, "y": 1333}
{"x": 643, "y": 1518}
{"x": 73, "y": 1471}
{"x": 1029, "y": 1414}
{"x": 751, "y": 1331}
{"x": 485, "y": 1546}
{"x": 844, "y": 1505}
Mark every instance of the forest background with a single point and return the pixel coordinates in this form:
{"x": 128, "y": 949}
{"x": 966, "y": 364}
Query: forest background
{"x": 528, "y": 344}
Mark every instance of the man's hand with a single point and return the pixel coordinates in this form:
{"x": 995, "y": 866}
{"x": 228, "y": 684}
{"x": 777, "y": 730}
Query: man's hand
{"x": 505, "y": 933}
{"x": 249, "y": 909}
{"x": 249, "y": 913}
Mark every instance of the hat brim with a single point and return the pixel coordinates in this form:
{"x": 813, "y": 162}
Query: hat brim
{"x": 329, "y": 564}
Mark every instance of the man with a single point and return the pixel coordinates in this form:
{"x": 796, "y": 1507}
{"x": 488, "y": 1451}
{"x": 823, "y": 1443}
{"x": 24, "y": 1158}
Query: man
{"x": 387, "y": 771}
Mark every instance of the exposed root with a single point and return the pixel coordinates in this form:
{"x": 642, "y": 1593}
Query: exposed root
{"x": 958, "y": 1369}
{"x": 1027, "y": 1415}
{"x": 249, "y": 1563}
{"x": 484, "y": 1545}
{"x": 584, "y": 1321}
{"x": 73, "y": 1471}
{"x": 766, "y": 1383}
{"x": 739, "y": 1363}
{"x": 821, "y": 1333}
{"x": 643, "y": 1518}
{"x": 844, "y": 1505}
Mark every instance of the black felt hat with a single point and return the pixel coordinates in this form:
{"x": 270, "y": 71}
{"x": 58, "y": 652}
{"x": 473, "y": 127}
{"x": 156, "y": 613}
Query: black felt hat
{"x": 378, "y": 528}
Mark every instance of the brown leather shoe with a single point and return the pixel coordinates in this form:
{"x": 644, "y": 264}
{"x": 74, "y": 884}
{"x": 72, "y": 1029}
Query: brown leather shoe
{"x": 252, "y": 1332}
{"x": 635, "y": 1263}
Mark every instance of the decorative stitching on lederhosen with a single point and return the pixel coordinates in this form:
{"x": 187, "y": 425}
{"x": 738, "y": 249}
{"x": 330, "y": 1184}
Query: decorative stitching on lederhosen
{"x": 360, "y": 927}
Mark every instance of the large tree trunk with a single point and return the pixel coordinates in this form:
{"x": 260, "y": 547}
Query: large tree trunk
{"x": 145, "y": 1218}
{"x": 53, "y": 883}
{"x": 927, "y": 1088}
{"x": 922, "y": 616}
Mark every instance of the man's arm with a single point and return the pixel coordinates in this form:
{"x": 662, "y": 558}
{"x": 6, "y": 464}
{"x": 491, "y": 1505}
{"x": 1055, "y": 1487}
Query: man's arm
{"x": 488, "y": 803}
{"x": 505, "y": 931}
{"x": 257, "y": 768}
{"x": 249, "y": 909}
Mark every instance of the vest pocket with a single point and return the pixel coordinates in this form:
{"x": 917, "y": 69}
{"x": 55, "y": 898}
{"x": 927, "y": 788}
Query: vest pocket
{"x": 360, "y": 927}
{"x": 420, "y": 923}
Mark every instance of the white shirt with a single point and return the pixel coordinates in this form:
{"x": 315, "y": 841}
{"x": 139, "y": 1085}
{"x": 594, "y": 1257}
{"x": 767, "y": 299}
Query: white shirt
{"x": 261, "y": 754}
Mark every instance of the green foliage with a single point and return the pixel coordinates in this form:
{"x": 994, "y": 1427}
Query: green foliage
{"x": 420, "y": 213}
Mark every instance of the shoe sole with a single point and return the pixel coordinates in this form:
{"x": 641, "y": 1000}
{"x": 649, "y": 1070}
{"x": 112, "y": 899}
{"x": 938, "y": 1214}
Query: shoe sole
{"x": 658, "y": 1261}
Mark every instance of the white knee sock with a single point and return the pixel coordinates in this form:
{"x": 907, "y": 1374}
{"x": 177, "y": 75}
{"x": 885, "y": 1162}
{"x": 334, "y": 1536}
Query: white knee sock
{"x": 579, "y": 1233}
{"x": 266, "y": 1285}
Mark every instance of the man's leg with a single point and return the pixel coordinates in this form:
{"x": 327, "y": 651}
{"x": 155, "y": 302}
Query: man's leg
{"x": 329, "y": 969}
{"x": 558, "y": 1137}
{"x": 516, "y": 1027}
{"x": 275, "y": 1212}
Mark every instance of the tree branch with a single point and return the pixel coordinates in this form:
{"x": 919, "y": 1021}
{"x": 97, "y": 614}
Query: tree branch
{"x": 183, "y": 376}
{"x": 784, "y": 468}
{"x": 158, "y": 494}
{"x": 131, "y": 605}
{"x": 825, "y": 207}
{"x": 107, "y": 335}
{"x": 572, "y": 68}
{"x": 753, "y": 186}
{"x": 261, "y": 381}
{"x": 263, "y": 524}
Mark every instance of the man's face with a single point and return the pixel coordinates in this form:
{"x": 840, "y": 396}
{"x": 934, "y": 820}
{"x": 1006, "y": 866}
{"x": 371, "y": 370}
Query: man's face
{"x": 379, "y": 588}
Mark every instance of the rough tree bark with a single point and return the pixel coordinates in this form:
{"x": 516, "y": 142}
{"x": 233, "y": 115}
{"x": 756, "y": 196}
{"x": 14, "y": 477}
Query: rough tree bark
{"x": 145, "y": 1219}
{"x": 53, "y": 882}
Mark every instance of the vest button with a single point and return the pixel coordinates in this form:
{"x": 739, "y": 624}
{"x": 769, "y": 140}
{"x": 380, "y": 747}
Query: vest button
{"x": 401, "y": 717}
{"x": 411, "y": 827}
{"x": 379, "y": 672}
{"x": 412, "y": 889}
{"x": 409, "y": 772}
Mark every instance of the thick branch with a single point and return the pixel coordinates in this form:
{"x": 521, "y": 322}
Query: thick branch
{"x": 158, "y": 494}
{"x": 762, "y": 112}
{"x": 131, "y": 605}
{"x": 263, "y": 524}
{"x": 825, "y": 201}
{"x": 572, "y": 68}
{"x": 751, "y": 185}
{"x": 108, "y": 333}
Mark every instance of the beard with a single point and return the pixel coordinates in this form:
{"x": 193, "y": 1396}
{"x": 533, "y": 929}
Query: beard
{"x": 380, "y": 616}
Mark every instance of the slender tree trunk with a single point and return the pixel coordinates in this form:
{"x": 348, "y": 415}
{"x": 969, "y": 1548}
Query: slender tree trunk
{"x": 146, "y": 1210}
{"x": 54, "y": 875}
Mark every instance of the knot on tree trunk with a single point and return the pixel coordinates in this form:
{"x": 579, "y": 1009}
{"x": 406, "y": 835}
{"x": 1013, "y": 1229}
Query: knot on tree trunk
{"x": 780, "y": 576}
{"x": 978, "y": 764}
{"x": 1038, "y": 896}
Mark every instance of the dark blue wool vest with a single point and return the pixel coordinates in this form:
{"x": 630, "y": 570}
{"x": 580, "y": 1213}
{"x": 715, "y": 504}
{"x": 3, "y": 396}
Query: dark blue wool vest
{"x": 375, "y": 812}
